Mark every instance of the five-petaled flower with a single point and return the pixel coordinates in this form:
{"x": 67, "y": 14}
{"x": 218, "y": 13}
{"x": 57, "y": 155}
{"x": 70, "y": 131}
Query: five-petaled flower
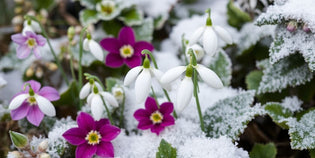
{"x": 27, "y": 43}
{"x": 153, "y": 117}
{"x": 33, "y": 103}
{"x": 92, "y": 137}
{"x": 124, "y": 49}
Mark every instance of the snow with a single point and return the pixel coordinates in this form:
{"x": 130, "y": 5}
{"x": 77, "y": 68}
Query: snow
{"x": 292, "y": 103}
{"x": 3, "y": 82}
{"x": 155, "y": 8}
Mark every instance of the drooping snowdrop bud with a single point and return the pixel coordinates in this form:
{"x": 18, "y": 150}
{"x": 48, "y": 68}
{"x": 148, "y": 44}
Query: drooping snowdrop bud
{"x": 88, "y": 88}
{"x": 306, "y": 28}
{"x": 90, "y": 45}
{"x": 43, "y": 146}
{"x": 198, "y": 50}
{"x": 30, "y": 25}
{"x": 292, "y": 26}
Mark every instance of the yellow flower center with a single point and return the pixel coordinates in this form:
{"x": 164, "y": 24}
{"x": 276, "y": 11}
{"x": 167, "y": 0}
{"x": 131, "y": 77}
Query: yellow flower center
{"x": 93, "y": 137}
{"x": 31, "y": 42}
{"x": 126, "y": 51}
{"x": 31, "y": 100}
{"x": 107, "y": 7}
{"x": 118, "y": 94}
{"x": 156, "y": 117}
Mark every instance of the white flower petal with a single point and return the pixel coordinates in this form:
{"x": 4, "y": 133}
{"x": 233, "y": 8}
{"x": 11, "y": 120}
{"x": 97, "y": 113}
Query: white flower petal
{"x": 210, "y": 41}
{"x": 86, "y": 45}
{"x": 172, "y": 74}
{"x": 85, "y": 90}
{"x": 89, "y": 98}
{"x": 198, "y": 50}
{"x": 27, "y": 28}
{"x": 196, "y": 35}
{"x": 110, "y": 99}
{"x": 224, "y": 34}
{"x": 158, "y": 75}
{"x": 143, "y": 85}
{"x": 208, "y": 76}
{"x": 184, "y": 94}
{"x": 36, "y": 27}
{"x": 45, "y": 105}
{"x": 252, "y": 4}
{"x": 132, "y": 75}
{"x": 17, "y": 101}
{"x": 99, "y": 87}
{"x": 96, "y": 50}
{"x": 97, "y": 107}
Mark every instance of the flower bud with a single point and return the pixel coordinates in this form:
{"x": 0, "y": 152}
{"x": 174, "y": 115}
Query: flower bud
{"x": 29, "y": 72}
{"x": 306, "y": 28}
{"x": 44, "y": 155}
{"x": 292, "y": 25}
{"x": 19, "y": 140}
{"x": 39, "y": 72}
{"x": 42, "y": 147}
{"x": 71, "y": 33}
{"x": 15, "y": 154}
{"x": 17, "y": 20}
{"x": 18, "y": 10}
{"x": 118, "y": 93}
{"x": 52, "y": 66}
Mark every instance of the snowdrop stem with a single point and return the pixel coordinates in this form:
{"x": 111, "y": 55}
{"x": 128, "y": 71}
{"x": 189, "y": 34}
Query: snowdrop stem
{"x": 155, "y": 98}
{"x": 121, "y": 119}
{"x": 107, "y": 111}
{"x": 209, "y": 21}
{"x": 89, "y": 76}
{"x": 80, "y": 56}
{"x": 51, "y": 48}
{"x": 193, "y": 60}
{"x": 145, "y": 51}
{"x": 197, "y": 100}
{"x": 184, "y": 43}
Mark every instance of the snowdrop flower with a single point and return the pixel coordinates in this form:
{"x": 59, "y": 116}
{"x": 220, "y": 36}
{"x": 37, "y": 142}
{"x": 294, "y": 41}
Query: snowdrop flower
{"x": 88, "y": 88}
{"x": 185, "y": 90}
{"x": 97, "y": 105}
{"x": 143, "y": 76}
{"x": 209, "y": 37}
{"x": 118, "y": 93}
{"x": 33, "y": 102}
{"x": 198, "y": 51}
{"x": 30, "y": 25}
{"x": 90, "y": 45}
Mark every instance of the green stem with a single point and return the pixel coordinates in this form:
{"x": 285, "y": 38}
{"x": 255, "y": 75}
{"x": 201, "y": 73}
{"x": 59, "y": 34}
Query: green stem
{"x": 121, "y": 121}
{"x": 89, "y": 76}
{"x": 184, "y": 48}
{"x": 107, "y": 111}
{"x": 71, "y": 63}
{"x": 145, "y": 51}
{"x": 50, "y": 46}
{"x": 197, "y": 101}
{"x": 154, "y": 96}
{"x": 80, "y": 75}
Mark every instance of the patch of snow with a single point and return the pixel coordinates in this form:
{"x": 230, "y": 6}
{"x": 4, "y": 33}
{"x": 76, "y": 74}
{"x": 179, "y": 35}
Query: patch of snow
{"x": 292, "y": 103}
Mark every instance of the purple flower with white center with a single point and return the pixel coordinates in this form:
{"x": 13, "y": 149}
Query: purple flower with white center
{"x": 27, "y": 43}
{"x": 155, "y": 118}
{"x": 92, "y": 137}
{"x": 124, "y": 49}
{"x": 33, "y": 102}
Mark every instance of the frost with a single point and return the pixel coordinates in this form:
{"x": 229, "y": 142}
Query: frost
{"x": 292, "y": 103}
{"x": 155, "y": 8}
{"x": 302, "y": 131}
{"x": 290, "y": 71}
{"x": 230, "y": 116}
{"x": 221, "y": 64}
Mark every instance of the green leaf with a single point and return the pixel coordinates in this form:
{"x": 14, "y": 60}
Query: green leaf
{"x": 278, "y": 114}
{"x": 88, "y": 17}
{"x": 230, "y": 116}
{"x": 312, "y": 153}
{"x": 112, "y": 27}
{"x": 70, "y": 97}
{"x": 46, "y": 4}
{"x": 222, "y": 66}
{"x": 159, "y": 21}
{"x": 110, "y": 83}
{"x": 18, "y": 140}
{"x": 131, "y": 16}
{"x": 302, "y": 131}
{"x": 253, "y": 79}
{"x": 263, "y": 151}
{"x": 236, "y": 17}
{"x": 144, "y": 32}
{"x": 166, "y": 150}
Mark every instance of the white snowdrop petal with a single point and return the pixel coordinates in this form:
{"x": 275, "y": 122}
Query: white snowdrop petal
{"x": 156, "y": 73}
{"x": 210, "y": 41}
{"x": 172, "y": 74}
{"x": 252, "y": 3}
{"x": 132, "y": 75}
{"x": 85, "y": 90}
{"x": 27, "y": 28}
{"x": 110, "y": 99}
{"x": 89, "y": 98}
{"x": 86, "y": 45}
{"x": 45, "y": 106}
{"x": 198, "y": 50}
{"x": 96, "y": 50}
{"x": 184, "y": 94}
{"x": 17, "y": 101}
{"x": 209, "y": 77}
{"x": 224, "y": 34}
{"x": 143, "y": 85}
{"x": 36, "y": 27}
{"x": 97, "y": 107}
{"x": 196, "y": 35}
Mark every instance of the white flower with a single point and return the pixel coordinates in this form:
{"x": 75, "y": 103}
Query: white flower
{"x": 143, "y": 77}
{"x": 185, "y": 90}
{"x": 118, "y": 93}
{"x": 94, "y": 48}
{"x": 32, "y": 26}
{"x": 97, "y": 106}
{"x": 88, "y": 88}
{"x": 197, "y": 49}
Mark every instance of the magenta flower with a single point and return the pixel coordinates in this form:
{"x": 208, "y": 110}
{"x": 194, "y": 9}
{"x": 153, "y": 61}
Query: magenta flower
{"x": 27, "y": 43}
{"x": 33, "y": 103}
{"x": 92, "y": 137}
{"x": 124, "y": 49}
{"x": 153, "y": 117}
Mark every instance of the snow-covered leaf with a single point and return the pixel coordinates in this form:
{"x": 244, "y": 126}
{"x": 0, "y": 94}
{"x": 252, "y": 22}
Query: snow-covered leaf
{"x": 253, "y": 79}
{"x": 88, "y": 17}
{"x": 230, "y": 116}
{"x": 290, "y": 71}
{"x": 221, "y": 64}
{"x": 144, "y": 32}
{"x": 263, "y": 151}
{"x": 302, "y": 131}
{"x": 278, "y": 113}
{"x": 131, "y": 16}
{"x": 166, "y": 150}
{"x": 159, "y": 21}
{"x": 89, "y": 3}
{"x": 236, "y": 17}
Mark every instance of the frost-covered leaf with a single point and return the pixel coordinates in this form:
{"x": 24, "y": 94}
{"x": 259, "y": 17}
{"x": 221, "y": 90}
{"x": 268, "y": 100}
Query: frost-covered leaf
{"x": 253, "y": 79}
{"x": 301, "y": 131}
{"x": 236, "y": 17}
{"x": 144, "y": 32}
{"x": 159, "y": 21}
{"x": 221, "y": 64}
{"x": 89, "y": 3}
{"x": 230, "y": 116}
{"x": 110, "y": 83}
{"x": 263, "y": 151}
{"x": 290, "y": 71}
{"x": 88, "y": 17}
{"x": 166, "y": 150}
{"x": 112, "y": 27}
{"x": 278, "y": 113}
{"x": 131, "y": 16}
